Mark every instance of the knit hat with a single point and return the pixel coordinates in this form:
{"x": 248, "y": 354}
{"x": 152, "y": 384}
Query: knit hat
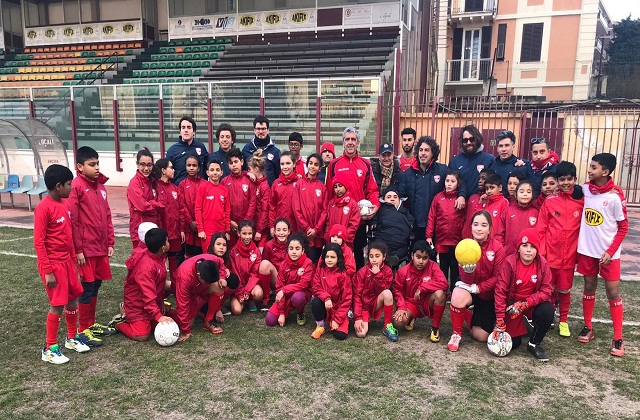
{"x": 143, "y": 228}
{"x": 328, "y": 147}
{"x": 339, "y": 231}
{"x": 391, "y": 188}
{"x": 529, "y": 235}
{"x": 340, "y": 177}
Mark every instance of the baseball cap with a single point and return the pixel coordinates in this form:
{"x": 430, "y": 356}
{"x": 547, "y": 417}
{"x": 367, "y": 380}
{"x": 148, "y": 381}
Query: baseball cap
{"x": 385, "y": 148}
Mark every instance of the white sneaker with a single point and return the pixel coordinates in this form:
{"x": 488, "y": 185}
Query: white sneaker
{"x": 77, "y": 345}
{"x": 454, "y": 342}
{"x": 53, "y": 355}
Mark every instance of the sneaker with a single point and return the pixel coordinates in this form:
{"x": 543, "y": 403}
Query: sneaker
{"x": 435, "y": 335}
{"x": 586, "y": 335}
{"x": 77, "y": 345}
{"x": 528, "y": 324}
{"x": 87, "y": 337}
{"x": 617, "y": 348}
{"x": 538, "y": 352}
{"x": 253, "y": 307}
{"x": 350, "y": 314}
{"x": 301, "y": 319}
{"x": 226, "y": 311}
{"x": 104, "y": 330}
{"x": 212, "y": 327}
{"x": 53, "y": 355}
{"x": 390, "y": 332}
{"x": 265, "y": 305}
{"x": 121, "y": 306}
{"x": 454, "y": 342}
{"x": 117, "y": 319}
{"x": 317, "y": 333}
{"x": 409, "y": 326}
{"x": 563, "y": 329}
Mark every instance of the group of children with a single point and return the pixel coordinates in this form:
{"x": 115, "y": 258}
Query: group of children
{"x": 280, "y": 247}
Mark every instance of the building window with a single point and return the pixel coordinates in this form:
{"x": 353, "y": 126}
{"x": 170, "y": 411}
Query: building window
{"x": 502, "y": 39}
{"x": 531, "y": 42}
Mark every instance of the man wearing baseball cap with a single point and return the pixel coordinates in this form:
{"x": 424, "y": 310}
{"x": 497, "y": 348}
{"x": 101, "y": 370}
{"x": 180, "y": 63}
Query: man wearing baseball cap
{"x": 386, "y": 168}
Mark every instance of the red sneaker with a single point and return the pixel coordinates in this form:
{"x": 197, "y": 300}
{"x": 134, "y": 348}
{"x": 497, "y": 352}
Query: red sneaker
{"x": 617, "y": 348}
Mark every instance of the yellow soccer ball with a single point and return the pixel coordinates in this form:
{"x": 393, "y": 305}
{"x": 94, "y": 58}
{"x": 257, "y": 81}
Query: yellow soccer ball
{"x": 468, "y": 252}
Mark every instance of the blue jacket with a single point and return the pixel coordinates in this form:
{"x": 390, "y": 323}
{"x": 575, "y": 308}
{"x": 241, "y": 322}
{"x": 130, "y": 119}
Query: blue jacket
{"x": 505, "y": 167}
{"x": 394, "y": 227}
{"x": 223, "y": 157}
{"x": 178, "y": 154}
{"x": 271, "y": 154}
{"x": 470, "y": 167}
{"x": 419, "y": 188}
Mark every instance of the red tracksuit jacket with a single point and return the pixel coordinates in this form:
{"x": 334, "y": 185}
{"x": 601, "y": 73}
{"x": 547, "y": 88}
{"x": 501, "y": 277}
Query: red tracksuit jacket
{"x": 559, "y": 223}
{"x": 445, "y": 221}
{"x": 190, "y": 293}
{"x": 281, "y": 203}
{"x": 144, "y": 286}
{"x": 343, "y": 211}
{"x": 188, "y": 191}
{"x": 245, "y": 262}
{"x": 143, "y": 205}
{"x": 495, "y": 205}
{"x": 409, "y": 279}
{"x": 263, "y": 198}
{"x": 309, "y": 201}
{"x": 91, "y": 216}
{"x": 169, "y": 195}
{"x": 367, "y": 288}
{"x": 242, "y": 193}
{"x": 294, "y": 276}
{"x": 349, "y": 260}
{"x": 52, "y": 234}
{"x": 274, "y": 252}
{"x": 487, "y": 269}
{"x": 361, "y": 182}
{"x": 470, "y": 211}
{"x": 212, "y": 209}
{"x": 335, "y": 285}
{"x": 515, "y": 219}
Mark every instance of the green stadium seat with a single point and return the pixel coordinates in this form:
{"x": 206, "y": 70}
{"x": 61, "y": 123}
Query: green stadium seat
{"x": 228, "y": 40}
{"x": 179, "y": 43}
{"x": 120, "y": 59}
{"x": 92, "y": 54}
{"x": 171, "y": 50}
{"x": 155, "y": 57}
{"x": 136, "y": 73}
{"x": 220, "y": 47}
{"x": 197, "y": 73}
{"x": 162, "y": 65}
{"x": 153, "y": 66}
{"x": 203, "y": 42}
{"x": 171, "y": 73}
{"x": 162, "y": 80}
{"x": 144, "y": 74}
{"x": 84, "y": 54}
{"x": 188, "y": 73}
{"x": 69, "y": 83}
{"x": 179, "y": 73}
{"x": 111, "y": 60}
{"x": 180, "y": 64}
{"x": 162, "y": 73}
{"x": 145, "y": 65}
{"x": 188, "y": 64}
{"x": 153, "y": 73}
{"x": 213, "y": 56}
{"x": 152, "y": 81}
{"x": 205, "y": 64}
{"x": 126, "y": 81}
{"x": 171, "y": 65}
{"x": 179, "y": 80}
{"x": 196, "y": 56}
{"x": 188, "y": 56}
{"x": 128, "y": 52}
{"x": 172, "y": 43}
{"x": 135, "y": 82}
{"x": 195, "y": 64}
{"x": 179, "y": 57}
{"x": 195, "y": 49}
{"x": 186, "y": 50}
{"x": 163, "y": 50}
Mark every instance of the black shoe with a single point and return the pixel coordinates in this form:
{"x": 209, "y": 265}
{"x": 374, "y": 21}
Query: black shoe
{"x": 538, "y": 352}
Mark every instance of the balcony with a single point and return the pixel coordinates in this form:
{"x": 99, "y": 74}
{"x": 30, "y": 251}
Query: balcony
{"x": 470, "y": 71}
{"x": 472, "y": 10}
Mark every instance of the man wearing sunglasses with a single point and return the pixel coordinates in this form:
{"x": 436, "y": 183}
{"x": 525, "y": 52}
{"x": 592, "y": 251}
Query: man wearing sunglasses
{"x": 470, "y": 162}
{"x": 543, "y": 160}
{"x": 507, "y": 162}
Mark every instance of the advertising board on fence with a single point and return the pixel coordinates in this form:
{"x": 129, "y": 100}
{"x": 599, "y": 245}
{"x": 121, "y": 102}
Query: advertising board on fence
{"x": 130, "y": 30}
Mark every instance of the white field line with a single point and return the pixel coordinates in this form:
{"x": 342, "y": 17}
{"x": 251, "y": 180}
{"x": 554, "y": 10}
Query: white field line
{"x": 15, "y": 239}
{"x": 608, "y": 321}
{"x": 17, "y": 254}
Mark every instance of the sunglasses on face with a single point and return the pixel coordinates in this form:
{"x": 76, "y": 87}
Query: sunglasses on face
{"x": 468, "y": 140}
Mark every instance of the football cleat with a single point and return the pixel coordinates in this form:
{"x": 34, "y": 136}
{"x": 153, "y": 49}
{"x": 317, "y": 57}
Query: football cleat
{"x": 317, "y": 333}
{"x": 53, "y": 355}
{"x": 617, "y": 348}
{"x": 586, "y": 335}
{"x": 77, "y": 345}
{"x": 87, "y": 337}
{"x": 454, "y": 342}
{"x": 390, "y": 332}
{"x": 563, "y": 329}
{"x": 435, "y": 335}
{"x": 538, "y": 352}
{"x": 104, "y": 330}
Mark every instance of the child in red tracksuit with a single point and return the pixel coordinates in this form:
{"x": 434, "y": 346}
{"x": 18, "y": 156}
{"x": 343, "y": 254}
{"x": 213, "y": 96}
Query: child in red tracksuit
{"x": 476, "y": 285}
{"x": 342, "y": 210}
{"x": 549, "y": 187}
{"x": 169, "y": 196}
{"x": 495, "y": 204}
{"x": 141, "y": 196}
{"x": 513, "y": 180}
{"x": 275, "y": 250}
{"x": 518, "y": 216}
{"x": 332, "y": 294}
{"x": 372, "y": 295}
{"x": 263, "y": 198}
{"x": 309, "y": 206}
{"x": 93, "y": 239}
{"x": 242, "y": 192}
{"x": 473, "y": 202}
{"x": 282, "y": 191}
{"x": 337, "y": 235}
{"x": 293, "y": 287}
{"x": 52, "y": 236}
{"x": 188, "y": 190}
{"x": 420, "y": 289}
{"x": 213, "y": 205}
{"x": 446, "y": 223}
{"x": 559, "y": 224}
{"x": 144, "y": 288}
{"x": 523, "y": 293}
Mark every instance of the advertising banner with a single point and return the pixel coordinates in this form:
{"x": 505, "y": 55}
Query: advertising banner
{"x": 202, "y": 26}
{"x": 356, "y": 15}
{"x": 249, "y": 22}
{"x": 385, "y": 13}
{"x": 225, "y": 25}
{"x": 303, "y": 18}
{"x": 76, "y": 34}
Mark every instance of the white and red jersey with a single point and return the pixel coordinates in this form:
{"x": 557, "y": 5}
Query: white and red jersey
{"x": 406, "y": 163}
{"x": 599, "y": 225}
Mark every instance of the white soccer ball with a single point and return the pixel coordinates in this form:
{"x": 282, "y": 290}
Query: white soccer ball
{"x": 365, "y": 207}
{"x": 167, "y": 333}
{"x": 501, "y": 346}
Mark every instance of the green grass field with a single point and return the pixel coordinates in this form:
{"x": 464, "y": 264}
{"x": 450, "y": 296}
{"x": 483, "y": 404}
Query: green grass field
{"x": 255, "y": 371}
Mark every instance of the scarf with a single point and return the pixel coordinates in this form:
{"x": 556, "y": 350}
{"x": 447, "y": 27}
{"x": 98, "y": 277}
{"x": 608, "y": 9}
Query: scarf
{"x": 295, "y": 264}
{"x": 293, "y": 176}
{"x": 246, "y": 251}
{"x": 541, "y": 165}
{"x": 596, "y": 189}
{"x": 342, "y": 201}
{"x": 450, "y": 194}
{"x": 386, "y": 177}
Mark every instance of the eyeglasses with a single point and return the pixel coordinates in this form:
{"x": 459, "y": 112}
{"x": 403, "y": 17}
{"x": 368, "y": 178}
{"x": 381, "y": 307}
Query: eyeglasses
{"x": 468, "y": 140}
{"x": 260, "y": 129}
{"x": 145, "y": 165}
{"x": 294, "y": 144}
{"x": 538, "y": 140}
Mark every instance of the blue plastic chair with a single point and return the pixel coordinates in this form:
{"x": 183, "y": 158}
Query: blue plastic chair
{"x": 13, "y": 183}
{"x": 25, "y": 185}
{"x": 38, "y": 190}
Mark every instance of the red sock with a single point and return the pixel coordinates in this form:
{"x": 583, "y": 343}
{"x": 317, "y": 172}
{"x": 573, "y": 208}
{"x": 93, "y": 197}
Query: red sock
{"x": 588, "y": 303}
{"x": 52, "y": 325}
{"x": 457, "y": 318}
{"x": 438, "y": 311}
{"x": 173, "y": 266}
{"x": 387, "y": 311}
{"x": 71, "y": 317}
{"x": 215, "y": 301}
{"x": 265, "y": 284}
{"x": 468, "y": 316}
{"x": 564, "y": 303}
{"x": 84, "y": 315}
{"x": 125, "y": 329}
{"x": 616, "y": 308}
{"x": 94, "y": 301}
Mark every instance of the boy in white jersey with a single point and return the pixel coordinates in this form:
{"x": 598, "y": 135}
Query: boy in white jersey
{"x": 604, "y": 226}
